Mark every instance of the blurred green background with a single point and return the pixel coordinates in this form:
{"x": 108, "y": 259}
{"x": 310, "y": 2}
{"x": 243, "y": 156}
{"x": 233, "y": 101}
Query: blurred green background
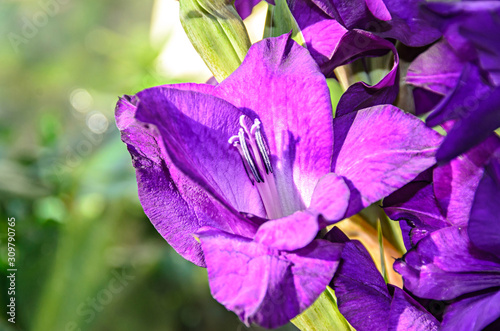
{"x": 87, "y": 256}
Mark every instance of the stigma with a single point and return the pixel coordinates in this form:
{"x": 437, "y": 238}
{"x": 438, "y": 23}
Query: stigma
{"x": 255, "y": 156}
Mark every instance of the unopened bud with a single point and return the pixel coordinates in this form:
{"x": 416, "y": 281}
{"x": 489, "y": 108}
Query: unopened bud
{"x": 217, "y": 33}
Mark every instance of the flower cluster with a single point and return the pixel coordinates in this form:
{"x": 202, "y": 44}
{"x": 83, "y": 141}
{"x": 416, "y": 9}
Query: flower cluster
{"x": 247, "y": 177}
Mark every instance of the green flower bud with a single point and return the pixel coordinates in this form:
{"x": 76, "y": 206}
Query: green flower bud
{"x": 217, "y": 33}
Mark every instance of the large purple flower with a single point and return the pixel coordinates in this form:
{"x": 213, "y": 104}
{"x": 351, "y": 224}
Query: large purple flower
{"x": 459, "y": 77}
{"x": 254, "y": 167}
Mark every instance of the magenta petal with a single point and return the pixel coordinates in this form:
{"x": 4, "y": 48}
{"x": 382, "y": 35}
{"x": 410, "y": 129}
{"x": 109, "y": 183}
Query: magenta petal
{"x": 380, "y": 149}
{"x": 484, "y": 224}
{"x": 408, "y": 315}
{"x": 330, "y": 198}
{"x": 473, "y": 313}
{"x": 445, "y": 265}
{"x": 262, "y": 285}
{"x": 195, "y": 128}
{"x": 289, "y": 233}
{"x": 176, "y": 212}
{"x": 292, "y": 99}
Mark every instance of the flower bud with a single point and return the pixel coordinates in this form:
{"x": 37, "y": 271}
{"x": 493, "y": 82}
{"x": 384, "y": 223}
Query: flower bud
{"x": 217, "y": 33}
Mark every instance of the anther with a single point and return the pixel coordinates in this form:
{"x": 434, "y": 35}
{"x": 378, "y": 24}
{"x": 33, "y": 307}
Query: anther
{"x": 263, "y": 151}
{"x": 248, "y": 157}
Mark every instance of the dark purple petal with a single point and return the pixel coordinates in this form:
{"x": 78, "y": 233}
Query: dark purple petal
{"x": 472, "y": 313}
{"x": 362, "y": 294}
{"x": 484, "y": 224}
{"x": 322, "y": 34}
{"x": 244, "y": 7}
{"x": 455, "y": 183}
{"x": 474, "y": 128}
{"x": 466, "y": 26}
{"x": 356, "y": 44}
{"x": 378, "y": 150}
{"x": 425, "y": 100}
{"x": 398, "y": 19}
{"x": 446, "y": 265}
{"x": 263, "y": 285}
{"x": 195, "y": 129}
{"x": 408, "y": 315}
{"x": 415, "y": 203}
{"x": 280, "y": 82}
{"x": 463, "y": 99}
{"x": 175, "y": 204}
{"x": 477, "y": 30}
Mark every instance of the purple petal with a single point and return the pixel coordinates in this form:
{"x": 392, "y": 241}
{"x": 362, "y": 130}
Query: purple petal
{"x": 263, "y": 285}
{"x": 282, "y": 83}
{"x": 315, "y": 22}
{"x": 475, "y": 29}
{"x": 416, "y": 203}
{"x": 409, "y": 24}
{"x": 175, "y": 204}
{"x": 289, "y": 233}
{"x": 195, "y": 128}
{"x": 401, "y": 20}
{"x": 330, "y": 198}
{"x": 378, "y": 150}
{"x": 473, "y": 313}
{"x": 455, "y": 183}
{"x": 474, "y": 128}
{"x": 361, "y": 292}
{"x": 445, "y": 265}
{"x": 437, "y": 69}
{"x": 484, "y": 224}
{"x": 408, "y": 315}
{"x": 244, "y": 7}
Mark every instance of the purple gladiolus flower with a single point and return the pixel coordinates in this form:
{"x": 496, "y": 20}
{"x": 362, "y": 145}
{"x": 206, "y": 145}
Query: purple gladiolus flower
{"x": 255, "y": 166}
{"x": 459, "y": 77}
{"x": 364, "y": 298}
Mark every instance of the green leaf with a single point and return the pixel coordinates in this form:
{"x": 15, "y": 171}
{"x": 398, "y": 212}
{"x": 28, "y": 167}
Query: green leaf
{"x": 323, "y": 315}
{"x": 382, "y": 257}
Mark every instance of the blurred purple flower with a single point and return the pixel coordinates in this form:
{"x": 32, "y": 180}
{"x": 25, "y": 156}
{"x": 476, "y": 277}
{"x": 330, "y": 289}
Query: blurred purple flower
{"x": 255, "y": 166}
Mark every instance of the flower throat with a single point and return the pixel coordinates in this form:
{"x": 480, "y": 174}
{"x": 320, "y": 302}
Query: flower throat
{"x": 255, "y": 157}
